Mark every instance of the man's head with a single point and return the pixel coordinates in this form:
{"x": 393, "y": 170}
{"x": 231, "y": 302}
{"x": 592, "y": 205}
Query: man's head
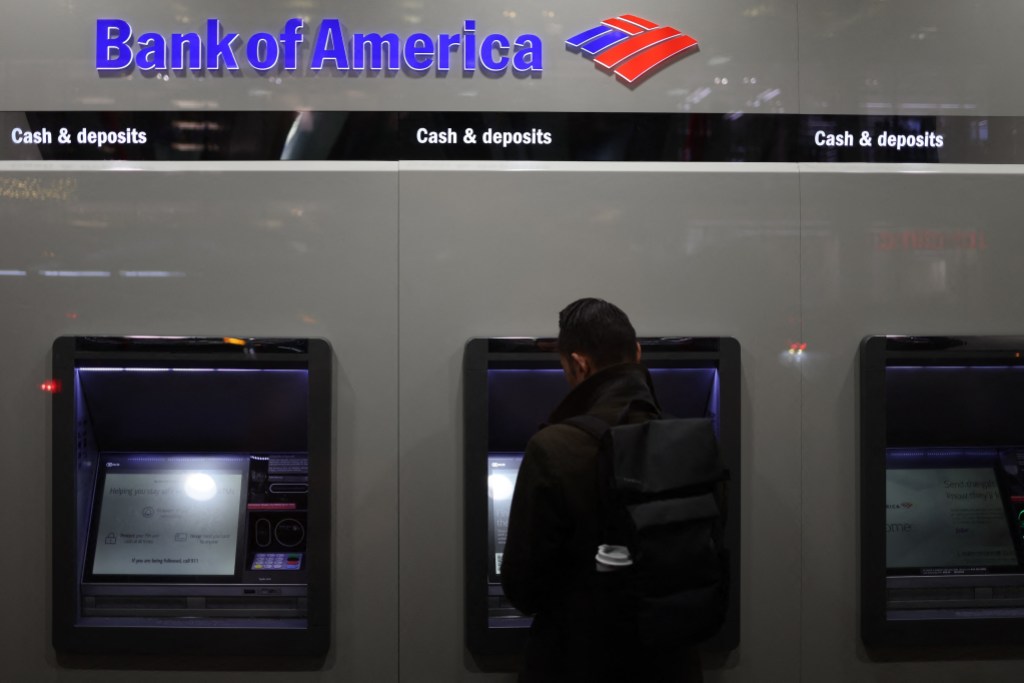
{"x": 593, "y": 334}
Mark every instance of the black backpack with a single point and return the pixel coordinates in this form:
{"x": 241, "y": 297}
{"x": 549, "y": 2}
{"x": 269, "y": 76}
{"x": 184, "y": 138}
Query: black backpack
{"x": 662, "y": 491}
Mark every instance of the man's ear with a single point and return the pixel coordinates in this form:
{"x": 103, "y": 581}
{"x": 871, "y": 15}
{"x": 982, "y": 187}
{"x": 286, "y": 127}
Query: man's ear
{"x": 638, "y": 352}
{"x": 583, "y": 364}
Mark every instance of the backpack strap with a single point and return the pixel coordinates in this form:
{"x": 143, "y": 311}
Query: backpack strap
{"x": 613, "y": 520}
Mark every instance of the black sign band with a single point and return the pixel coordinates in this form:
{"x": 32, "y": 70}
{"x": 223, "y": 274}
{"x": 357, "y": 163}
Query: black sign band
{"x": 510, "y": 136}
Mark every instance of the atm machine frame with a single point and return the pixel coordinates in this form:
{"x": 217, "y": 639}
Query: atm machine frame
{"x": 482, "y": 354}
{"x": 73, "y": 520}
{"x": 945, "y": 606}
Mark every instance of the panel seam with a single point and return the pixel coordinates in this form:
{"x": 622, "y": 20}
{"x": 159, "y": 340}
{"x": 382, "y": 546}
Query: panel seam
{"x": 800, "y": 392}
{"x": 398, "y": 421}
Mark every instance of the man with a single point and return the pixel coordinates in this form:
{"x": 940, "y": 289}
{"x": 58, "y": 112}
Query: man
{"x": 548, "y": 567}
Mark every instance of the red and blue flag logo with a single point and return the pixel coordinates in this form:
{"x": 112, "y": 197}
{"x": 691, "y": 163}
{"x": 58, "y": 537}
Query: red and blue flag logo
{"x": 631, "y": 47}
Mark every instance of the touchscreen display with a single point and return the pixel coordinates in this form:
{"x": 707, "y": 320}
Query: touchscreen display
{"x": 178, "y": 522}
{"x": 502, "y": 471}
{"x": 946, "y": 518}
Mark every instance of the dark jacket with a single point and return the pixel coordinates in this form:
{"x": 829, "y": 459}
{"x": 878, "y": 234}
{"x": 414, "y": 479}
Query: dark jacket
{"x": 548, "y": 564}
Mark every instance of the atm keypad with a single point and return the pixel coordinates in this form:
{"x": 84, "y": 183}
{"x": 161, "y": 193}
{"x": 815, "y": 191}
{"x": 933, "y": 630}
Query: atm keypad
{"x": 277, "y": 561}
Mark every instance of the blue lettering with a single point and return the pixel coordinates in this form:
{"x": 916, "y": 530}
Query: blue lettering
{"x": 330, "y": 46}
{"x": 446, "y": 42}
{"x": 270, "y": 49}
{"x": 469, "y": 46}
{"x": 152, "y": 52}
{"x": 419, "y": 52}
{"x": 528, "y": 46}
{"x": 179, "y": 41}
{"x": 376, "y": 43}
{"x": 118, "y": 49}
{"x": 493, "y": 42}
{"x": 218, "y": 48}
{"x": 113, "y": 38}
{"x": 290, "y": 39}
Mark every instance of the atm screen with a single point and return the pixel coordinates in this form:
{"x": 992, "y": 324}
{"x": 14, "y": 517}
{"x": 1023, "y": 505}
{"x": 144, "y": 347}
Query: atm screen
{"x": 946, "y": 518}
{"x": 165, "y": 516}
{"x": 503, "y": 469}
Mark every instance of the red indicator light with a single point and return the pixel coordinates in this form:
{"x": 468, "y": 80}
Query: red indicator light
{"x": 50, "y": 386}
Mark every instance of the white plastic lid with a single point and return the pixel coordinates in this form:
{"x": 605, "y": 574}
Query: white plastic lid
{"x": 613, "y": 555}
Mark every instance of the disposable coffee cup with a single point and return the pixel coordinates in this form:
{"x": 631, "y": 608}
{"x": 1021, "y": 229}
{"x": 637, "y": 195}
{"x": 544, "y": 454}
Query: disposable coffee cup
{"x": 612, "y": 558}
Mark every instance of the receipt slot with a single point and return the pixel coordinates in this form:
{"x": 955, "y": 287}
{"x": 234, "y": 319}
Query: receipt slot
{"x": 511, "y": 386}
{"x": 191, "y": 495}
{"x": 942, "y": 491}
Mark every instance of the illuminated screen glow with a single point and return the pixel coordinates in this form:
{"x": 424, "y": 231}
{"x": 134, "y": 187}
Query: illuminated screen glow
{"x": 946, "y": 517}
{"x": 503, "y": 470}
{"x": 176, "y": 522}
{"x": 200, "y": 486}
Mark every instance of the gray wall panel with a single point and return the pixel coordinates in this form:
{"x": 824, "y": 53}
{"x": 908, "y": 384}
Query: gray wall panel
{"x": 886, "y": 252}
{"x": 490, "y": 253}
{"x": 264, "y": 253}
{"x": 922, "y": 57}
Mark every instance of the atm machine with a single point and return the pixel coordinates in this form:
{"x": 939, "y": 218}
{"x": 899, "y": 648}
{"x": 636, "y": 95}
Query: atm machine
{"x": 191, "y": 495}
{"x": 511, "y": 385}
{"x": 942, "y": 491}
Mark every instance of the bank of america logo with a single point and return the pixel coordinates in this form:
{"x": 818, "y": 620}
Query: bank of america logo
{"x": 631, "y": 47}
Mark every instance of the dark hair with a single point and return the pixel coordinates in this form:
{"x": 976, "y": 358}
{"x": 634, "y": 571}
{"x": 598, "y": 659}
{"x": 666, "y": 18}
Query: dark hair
{"x": 597, "y": 329}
